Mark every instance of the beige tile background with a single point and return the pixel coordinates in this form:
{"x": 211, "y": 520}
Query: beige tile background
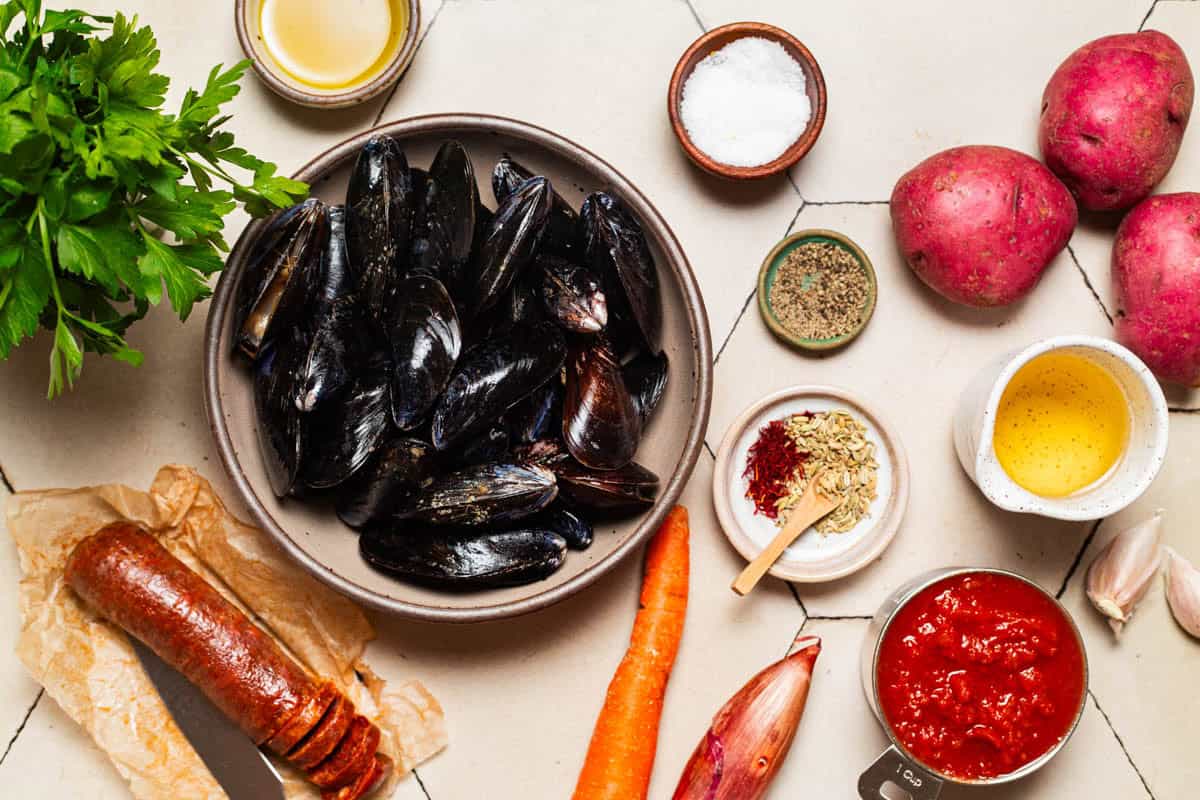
{"x": 905, "y": 79}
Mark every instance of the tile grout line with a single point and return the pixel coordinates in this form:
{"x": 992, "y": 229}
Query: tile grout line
{"x": 842, "y": 617}
{"x": 1087, "y": 281}
{"x": 1121, "y": 744}
{"x": 753, "y": 292}
{"x": 796, "y": 594}
{"x": 696, "y": 15}
{"x": 1087, "y": 542}
{"x": 421, "y": 783}
{"x": 396, "y": 86}
{"x": 21, "y": 727}
{"x": 1146, "y": 18}
{"x": 847, "y": 202}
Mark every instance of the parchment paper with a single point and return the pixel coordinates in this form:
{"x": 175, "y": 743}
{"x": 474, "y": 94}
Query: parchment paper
{"x": 89, "y": 668}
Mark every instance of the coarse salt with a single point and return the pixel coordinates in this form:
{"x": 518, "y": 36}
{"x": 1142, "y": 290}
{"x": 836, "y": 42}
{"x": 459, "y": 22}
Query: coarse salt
{"x": 745, "y": 104}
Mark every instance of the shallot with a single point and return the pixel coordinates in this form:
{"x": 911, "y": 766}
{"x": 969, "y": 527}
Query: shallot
{"x": 751, "y": 735}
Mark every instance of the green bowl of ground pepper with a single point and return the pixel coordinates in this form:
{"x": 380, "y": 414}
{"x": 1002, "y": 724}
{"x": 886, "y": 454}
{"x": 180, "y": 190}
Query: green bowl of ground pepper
{"x": 816, "y": 290}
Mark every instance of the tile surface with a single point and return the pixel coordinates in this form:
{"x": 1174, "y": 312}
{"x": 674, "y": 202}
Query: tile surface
{"x": 905, "y": 80}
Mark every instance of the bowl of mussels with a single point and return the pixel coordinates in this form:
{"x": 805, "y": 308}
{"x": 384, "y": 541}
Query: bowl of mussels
{"x": 464, "y": 379}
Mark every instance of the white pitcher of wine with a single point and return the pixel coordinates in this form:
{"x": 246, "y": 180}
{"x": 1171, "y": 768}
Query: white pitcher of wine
{"x": 1073, "y": 427}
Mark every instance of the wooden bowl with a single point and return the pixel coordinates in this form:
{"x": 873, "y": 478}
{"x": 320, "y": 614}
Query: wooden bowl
{"x": 813, "y": 557}
{"x": 313, "y": 535}
{"x": 770, "y": 270}
{"x": 715, "y": 40}
{"x": 247, "y": 20}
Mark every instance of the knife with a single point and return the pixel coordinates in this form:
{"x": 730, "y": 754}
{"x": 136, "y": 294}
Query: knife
{"x": 243, "y": 771}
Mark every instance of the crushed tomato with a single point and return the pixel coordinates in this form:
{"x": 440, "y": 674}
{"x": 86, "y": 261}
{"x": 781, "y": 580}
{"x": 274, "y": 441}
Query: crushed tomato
{"x": 980, "y": 674}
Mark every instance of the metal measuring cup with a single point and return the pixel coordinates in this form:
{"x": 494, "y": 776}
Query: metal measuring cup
{"x": 898, "y": 766}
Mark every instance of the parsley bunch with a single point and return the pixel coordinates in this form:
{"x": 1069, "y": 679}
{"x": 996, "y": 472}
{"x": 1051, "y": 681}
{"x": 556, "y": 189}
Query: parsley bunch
{"x": 95, "y": 215}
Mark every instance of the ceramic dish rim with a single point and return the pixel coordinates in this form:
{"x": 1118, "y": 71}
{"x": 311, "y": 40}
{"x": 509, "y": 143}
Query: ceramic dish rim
{"x": 693, "y": 306}
{"x": 777, "y": 327}
{"x": 795, "y": 151}
{"x": 1023, "y": 499}
{"x": 886, "y": 528}
{"x": 342, "y": 98}
{"x": 881, "y": 623}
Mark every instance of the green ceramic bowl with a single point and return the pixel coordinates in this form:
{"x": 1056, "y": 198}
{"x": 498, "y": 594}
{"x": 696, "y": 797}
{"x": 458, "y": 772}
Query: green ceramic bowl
{"x": 770, "y": 269}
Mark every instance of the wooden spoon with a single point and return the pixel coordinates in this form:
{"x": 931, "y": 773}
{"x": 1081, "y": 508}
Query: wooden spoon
{"x": 812, "y": 506}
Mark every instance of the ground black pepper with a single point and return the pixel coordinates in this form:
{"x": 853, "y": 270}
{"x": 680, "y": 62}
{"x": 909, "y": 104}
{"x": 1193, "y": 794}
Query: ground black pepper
{"x": 820, "y": 291}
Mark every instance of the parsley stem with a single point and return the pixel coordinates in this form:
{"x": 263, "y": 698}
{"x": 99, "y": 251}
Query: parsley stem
{"x": 212, "y": 169}
{"x": 48, "y": 257}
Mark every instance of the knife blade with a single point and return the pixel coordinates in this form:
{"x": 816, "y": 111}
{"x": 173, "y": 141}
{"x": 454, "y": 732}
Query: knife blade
{"x": 241, "y": 769}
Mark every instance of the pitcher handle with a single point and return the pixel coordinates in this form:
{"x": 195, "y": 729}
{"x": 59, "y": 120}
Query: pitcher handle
{"x": 892, "y": 766}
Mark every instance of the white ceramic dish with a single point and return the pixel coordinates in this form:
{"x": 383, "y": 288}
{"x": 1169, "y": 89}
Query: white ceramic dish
{"x": 814, "y": 557}
{"x": 975, "y": 422}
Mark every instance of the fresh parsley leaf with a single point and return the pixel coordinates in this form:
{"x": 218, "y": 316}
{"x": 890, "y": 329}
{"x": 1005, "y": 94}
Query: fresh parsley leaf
{"x": 26, "y": 288}
{"x": 175, "y": 266}
{"x": 106, "y": 199}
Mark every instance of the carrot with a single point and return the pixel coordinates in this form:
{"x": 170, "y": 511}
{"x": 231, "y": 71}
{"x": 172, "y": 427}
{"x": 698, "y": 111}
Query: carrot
{"x": 621, "y": 754}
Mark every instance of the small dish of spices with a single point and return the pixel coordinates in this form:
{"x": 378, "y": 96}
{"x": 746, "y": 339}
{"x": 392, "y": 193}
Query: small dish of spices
{"x": 747, "y": 100}
{"x": 777, "y": 446}
{"x": 817, "y": 290}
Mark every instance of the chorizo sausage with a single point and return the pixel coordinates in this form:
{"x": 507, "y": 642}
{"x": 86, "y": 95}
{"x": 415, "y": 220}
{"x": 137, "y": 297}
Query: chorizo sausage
{"x": 126, "y": 576}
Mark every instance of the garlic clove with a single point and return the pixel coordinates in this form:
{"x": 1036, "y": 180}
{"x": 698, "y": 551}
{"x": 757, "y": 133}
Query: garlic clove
{"x": 1121, "y": 573}
{"x": 1183, "y": 592}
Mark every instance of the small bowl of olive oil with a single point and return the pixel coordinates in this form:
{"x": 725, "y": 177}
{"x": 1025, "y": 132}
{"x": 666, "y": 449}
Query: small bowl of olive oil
{"x": 1073, "y": 427}
{"x": 328, "y": 53}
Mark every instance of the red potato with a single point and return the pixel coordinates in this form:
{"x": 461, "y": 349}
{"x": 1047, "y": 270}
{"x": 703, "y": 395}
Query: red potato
{"x": 1156, "y": 274}
{"x": 1113, "y": 116}
{"x": 979, "y": 224}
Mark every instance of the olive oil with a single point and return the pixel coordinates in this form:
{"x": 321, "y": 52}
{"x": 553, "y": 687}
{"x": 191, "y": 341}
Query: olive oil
{"x": 1062, "y": 424}
{"x": 333, "y": 44}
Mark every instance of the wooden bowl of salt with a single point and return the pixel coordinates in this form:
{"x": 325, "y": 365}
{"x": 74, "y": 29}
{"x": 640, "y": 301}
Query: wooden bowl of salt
{"x": 746, "y": 101}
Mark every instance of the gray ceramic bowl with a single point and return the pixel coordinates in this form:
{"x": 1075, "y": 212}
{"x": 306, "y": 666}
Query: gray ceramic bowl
{"x": 314, "y": 536}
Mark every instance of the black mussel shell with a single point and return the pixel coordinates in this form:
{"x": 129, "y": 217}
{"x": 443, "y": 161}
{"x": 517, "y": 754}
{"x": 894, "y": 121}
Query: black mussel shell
{"x": 491, "y": 445}
{"x": 571, "y": 295}
{"x": 276, "y": 227}
{"x": 600, "y": 424}
{"x": 539, "y": 415}
{"x": 646, "y": 377}
{"x": 332, "y": 356}
{"x": 562, "y": 229}
{"x": 512, "y": 241}
{"x": 400, "y": 470}
{"x": 543, "y": 452}
{"x": 628, "y": 490}
{"x": 379, "y": 213}
{"x": 492, "y": 377}
{"x": 484, "y": 494}
{"x": 567, "y": 523}
{"x": 461, "y": 278}
{"x": 335, "y": 282}
{"x": 520, "y": 306}
{"x": 465, "y": 561}
{"x": 340, "y": 439}
{"x": 451, "y": 201}
{"x": 426, "y": 340}
{"x": 616, "y": 250}
{"x": 507, "y": 175}
{"x": 280, "y": 285}
{"x": 280, "y": 425}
